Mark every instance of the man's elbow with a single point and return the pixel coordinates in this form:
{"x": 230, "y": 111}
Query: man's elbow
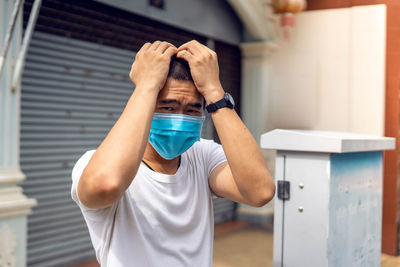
{"x": 265, "y": 196}
{"x": 98, "y": 190}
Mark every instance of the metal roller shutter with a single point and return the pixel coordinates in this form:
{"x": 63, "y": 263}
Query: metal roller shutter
{"x": 74, "y": 87}
{"x": 72, "y": 93}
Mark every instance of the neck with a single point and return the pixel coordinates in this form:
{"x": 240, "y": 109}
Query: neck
{"x": 158, "y": 163}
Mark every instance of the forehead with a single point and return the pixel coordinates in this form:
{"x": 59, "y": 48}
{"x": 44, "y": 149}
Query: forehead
{"x": 177, "y": 89}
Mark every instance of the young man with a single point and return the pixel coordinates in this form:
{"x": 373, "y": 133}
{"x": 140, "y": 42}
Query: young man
{"x": 146, "y": 192}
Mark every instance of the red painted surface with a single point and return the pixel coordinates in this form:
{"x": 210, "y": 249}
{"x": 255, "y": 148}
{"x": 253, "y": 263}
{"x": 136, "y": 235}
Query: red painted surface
{"x": 328, "y": 4}
{"x": 390, "y": 194}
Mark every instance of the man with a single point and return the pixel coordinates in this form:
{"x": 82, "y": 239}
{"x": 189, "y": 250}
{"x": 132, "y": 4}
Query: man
{"x": 146, "y": 192}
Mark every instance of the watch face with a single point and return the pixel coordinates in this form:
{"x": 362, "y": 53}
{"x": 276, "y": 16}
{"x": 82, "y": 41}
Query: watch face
{"x": 229, "y": 98}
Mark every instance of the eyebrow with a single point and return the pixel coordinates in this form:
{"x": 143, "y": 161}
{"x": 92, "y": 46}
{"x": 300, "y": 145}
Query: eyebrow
{"x": 169, "y": 101}
{"x": 174, "y": 101}
{"x": 195, "y": 105}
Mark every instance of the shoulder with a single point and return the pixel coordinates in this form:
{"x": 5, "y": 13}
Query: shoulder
{"x": 203, "y": 147}
{"x": 210, "y": 153}
{"x": 205, "y": 144}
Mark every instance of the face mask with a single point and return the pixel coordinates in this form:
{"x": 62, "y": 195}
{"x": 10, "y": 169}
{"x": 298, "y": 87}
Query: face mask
{"x": 173, "y": 134}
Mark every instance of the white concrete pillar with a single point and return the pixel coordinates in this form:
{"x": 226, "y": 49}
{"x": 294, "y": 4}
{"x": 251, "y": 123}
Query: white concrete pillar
{"x": 14, "y": 205}
{"x": 256, "y": 69}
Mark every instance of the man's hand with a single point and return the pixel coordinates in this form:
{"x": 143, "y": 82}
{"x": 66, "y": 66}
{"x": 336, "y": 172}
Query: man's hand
{"x": 151, "y": 65}
{"x": 204, "y": 68}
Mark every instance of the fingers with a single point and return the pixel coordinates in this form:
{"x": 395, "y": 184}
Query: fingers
{"x": 143, "y": 49}
{"x": 196, "y": 48}
{"x": 145, "y": 46}
{"x": 164, "y": 46}
{"x": 188, "y": 51}
{"x": 186, "y": 55}
{"x": 170, "y": 51}
{"x": 188, "y": 45}
{"x": 155, "y": 45}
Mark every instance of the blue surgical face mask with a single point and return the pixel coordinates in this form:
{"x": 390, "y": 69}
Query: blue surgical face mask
{"x": 173, "y": 134}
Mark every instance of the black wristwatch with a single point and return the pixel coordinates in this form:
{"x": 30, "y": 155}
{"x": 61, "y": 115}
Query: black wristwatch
{"x": 226, "y": 101}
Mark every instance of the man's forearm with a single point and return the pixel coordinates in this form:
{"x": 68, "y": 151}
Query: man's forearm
{"x": 245, "y": 159}
{"x": 116, "y": 161}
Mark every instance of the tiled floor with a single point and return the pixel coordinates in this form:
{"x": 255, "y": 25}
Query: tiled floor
{"x": 252, "y": 246}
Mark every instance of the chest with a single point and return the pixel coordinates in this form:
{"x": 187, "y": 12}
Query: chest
{"x": 187, "y": 198}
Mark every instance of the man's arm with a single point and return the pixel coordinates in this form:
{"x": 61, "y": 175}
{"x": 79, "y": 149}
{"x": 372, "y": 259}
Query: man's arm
{"x": 245, "y": 178}
{"x": 116, "y": 161}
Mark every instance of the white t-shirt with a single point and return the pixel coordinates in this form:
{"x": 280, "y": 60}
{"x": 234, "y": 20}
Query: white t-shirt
{"x": 161, "y": 220}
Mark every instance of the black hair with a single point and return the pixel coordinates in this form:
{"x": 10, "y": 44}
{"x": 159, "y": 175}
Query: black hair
{"x": 179, "y": 69}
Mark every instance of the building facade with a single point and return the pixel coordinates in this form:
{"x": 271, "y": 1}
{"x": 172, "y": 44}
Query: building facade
{"x": 75, "y": 84}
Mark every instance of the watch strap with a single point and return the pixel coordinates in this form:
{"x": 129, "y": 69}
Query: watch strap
{"x": 217, "y": 105}
{"x": 224, "y": 102}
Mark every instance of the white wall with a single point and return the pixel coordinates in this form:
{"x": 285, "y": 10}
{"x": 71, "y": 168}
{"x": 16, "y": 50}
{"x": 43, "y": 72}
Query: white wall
{"x": 330, "y": 75}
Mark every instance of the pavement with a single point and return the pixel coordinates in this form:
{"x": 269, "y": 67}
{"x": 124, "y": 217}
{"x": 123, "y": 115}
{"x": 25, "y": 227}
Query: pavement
{"x": 241, "y": 244}
{"x": 246, "y": 245}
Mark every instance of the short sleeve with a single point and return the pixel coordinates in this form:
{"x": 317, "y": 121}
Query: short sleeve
{"x": 77, "y": 171}
{"x": 214, "y": 155}
{"x": 88, "y": 213}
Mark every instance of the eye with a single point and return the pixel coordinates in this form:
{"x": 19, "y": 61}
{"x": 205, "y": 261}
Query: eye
{"x": 193, "y": 111}
{"x": 167, "y": 108}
